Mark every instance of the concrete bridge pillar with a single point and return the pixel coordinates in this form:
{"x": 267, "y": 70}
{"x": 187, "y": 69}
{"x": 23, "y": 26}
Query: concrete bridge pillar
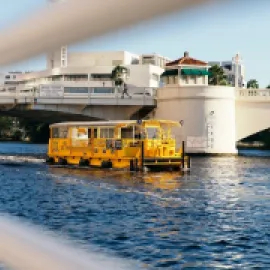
{"x": 207, "y": 114}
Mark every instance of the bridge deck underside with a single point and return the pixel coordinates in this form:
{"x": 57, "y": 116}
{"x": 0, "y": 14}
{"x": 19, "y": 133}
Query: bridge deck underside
{"x": 251, "y": 118}
{"x": 49, "y": 113}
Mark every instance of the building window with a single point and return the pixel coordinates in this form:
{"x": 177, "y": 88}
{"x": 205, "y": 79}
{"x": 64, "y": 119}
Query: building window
{"x": 185, "y": 79}
{"x": 117, "y": 62}
{"x": 77, "y": 77}
{"x": 171, "y": 79}
{"x": 12, "y": 82}
{"x": 155, "y": 77}
{"x": 148, "y": 60}
{"x": 103, "y": 90}
{"x": 204, "y": 79}
{"x": 135, "y": 61}
{"x": 56, "y": 78}
{"x": 193, "y": 79}
{"x": 101, "y": 77}
{"x": 76, "y": 90}
{"x": 165, "y": 80}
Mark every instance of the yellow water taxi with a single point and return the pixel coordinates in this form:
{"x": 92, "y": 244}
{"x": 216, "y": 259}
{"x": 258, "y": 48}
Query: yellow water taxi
{"x": 133, "y": 145}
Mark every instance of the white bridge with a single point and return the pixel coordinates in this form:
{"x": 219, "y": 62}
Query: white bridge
{"x": 251, "y": 106}
{"x": 52, "y": 106}
{"x": 214, "y": 117}
{"x": 252, "y": 111}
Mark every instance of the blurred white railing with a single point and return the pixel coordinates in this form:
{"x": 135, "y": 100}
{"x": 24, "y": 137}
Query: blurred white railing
{"x": 25, "y": 247}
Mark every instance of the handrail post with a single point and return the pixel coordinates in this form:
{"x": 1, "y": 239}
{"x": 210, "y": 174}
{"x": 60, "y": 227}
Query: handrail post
{"x": 183, "y": 154}
{"x": 142, "y": 155}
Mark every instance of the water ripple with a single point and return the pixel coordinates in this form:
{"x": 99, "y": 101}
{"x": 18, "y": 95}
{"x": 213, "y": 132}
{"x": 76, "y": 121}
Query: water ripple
{"x": 216, "y": 217}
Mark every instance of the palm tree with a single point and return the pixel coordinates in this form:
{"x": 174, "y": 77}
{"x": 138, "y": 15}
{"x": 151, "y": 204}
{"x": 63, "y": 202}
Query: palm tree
{"x": 217, "y": 76}
{"x": 118, "y": 75}
{"x": 253, "y": 84}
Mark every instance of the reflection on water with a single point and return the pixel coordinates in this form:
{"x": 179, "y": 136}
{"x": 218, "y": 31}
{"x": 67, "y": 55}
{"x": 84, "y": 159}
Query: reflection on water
{"x": 215, "y": 217}
{"x": 163, "y": 180}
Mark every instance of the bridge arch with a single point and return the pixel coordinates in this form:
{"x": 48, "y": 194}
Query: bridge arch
{"x": 252, "y": 116}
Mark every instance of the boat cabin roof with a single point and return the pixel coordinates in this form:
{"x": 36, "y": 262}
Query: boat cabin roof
{"x": 115, "y": 123}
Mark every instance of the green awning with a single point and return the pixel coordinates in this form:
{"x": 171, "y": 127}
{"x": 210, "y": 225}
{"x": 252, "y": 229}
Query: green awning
{"x": 186, "y": 71}
{"x": 170, "y": 72}
{"x": 195, "y": 72}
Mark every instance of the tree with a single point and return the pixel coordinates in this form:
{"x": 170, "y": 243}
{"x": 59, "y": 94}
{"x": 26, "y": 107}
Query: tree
{"x": 118, "y": 74}
{"x": 36, "y": 131}
{"x": 6, "y": 125}
{"x": 268, "y": 86}
{"x": 224, "y": 82}
{"x": 217, "y": 76}
{"x": 253, "y": 84}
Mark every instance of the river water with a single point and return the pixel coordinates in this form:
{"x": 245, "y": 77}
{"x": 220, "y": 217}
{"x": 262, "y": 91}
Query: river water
{"x": 215, "y": 217}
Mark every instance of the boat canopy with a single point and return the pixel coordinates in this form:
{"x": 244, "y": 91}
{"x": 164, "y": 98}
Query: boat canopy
{"x": 116, "y": 123}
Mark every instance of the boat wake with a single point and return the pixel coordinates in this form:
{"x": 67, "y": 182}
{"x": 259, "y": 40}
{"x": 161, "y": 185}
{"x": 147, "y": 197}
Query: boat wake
{"x": 154, "y": 186}
{"x": 21, "y": 159}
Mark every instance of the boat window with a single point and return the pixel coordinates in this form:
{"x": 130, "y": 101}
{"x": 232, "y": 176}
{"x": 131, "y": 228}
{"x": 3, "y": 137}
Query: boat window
{"x": 60, "y": 133}
{"x": 95, "y": 133}
{"x": 106, "y": 133}
{"x": 82, "y": 133}
{"x": 152, "y": 132}
{"x": 55, "y": 133}
{"x": 127, "y": 133}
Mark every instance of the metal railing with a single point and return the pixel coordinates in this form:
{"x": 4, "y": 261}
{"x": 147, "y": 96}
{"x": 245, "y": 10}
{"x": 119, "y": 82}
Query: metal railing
{"x": 79, "y": 92}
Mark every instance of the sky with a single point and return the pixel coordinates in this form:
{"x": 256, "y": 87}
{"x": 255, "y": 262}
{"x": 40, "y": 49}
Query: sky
{"x": 210, "y": 33}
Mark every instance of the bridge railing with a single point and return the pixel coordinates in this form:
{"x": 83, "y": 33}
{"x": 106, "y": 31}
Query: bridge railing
{"x": 253, "y": 94}
{"x": 80, "y": 92}
{"x": 84, "y": 96}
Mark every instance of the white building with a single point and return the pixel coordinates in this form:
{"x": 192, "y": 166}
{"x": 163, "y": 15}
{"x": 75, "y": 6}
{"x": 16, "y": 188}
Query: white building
{"x": 185, "y": 71}
{"x": 78, "y": 72}
{"x": 229, "y": 68}
{"x": 207, "y": 113}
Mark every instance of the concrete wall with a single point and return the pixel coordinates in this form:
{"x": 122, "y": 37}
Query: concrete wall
{"x": 143, "y": 75}
{"x": 208, "y": 115}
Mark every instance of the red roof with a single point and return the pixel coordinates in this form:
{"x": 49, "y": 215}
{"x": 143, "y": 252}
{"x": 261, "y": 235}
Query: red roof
{"x": 186, "y": 60}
